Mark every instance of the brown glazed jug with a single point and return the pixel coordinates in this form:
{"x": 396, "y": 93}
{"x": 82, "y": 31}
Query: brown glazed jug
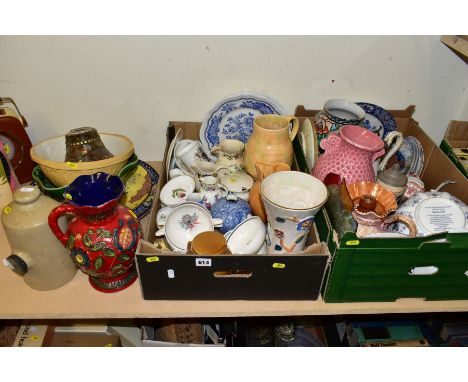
{"x": 263, "y": 170}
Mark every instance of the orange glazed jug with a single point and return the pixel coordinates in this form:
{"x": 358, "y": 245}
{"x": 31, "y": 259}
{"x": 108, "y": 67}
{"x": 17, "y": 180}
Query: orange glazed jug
{"x": 263, "y": 170}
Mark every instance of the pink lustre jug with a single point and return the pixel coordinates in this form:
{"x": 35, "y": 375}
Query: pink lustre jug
{"x": 349, "y": 154}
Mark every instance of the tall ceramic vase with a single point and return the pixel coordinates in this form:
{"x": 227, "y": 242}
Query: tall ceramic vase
{"x": 271, "y": 141}
{"x": 102, "y": 236}
{"x": 292, "y": 199}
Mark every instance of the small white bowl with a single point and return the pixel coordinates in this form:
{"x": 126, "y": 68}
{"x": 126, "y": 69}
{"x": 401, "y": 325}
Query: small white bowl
{"x": 248, "y": 237}
{"x": 184, "y": 222}
{"x": 177, "y": 190}
{"x": 161, "y": 216}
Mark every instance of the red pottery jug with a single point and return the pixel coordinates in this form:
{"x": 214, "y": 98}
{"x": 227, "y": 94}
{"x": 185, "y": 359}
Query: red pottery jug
{"x": 102, "y": 236}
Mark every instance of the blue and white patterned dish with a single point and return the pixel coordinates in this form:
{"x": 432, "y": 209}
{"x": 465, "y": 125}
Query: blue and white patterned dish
{"x": 233, "y": 117}
{"x": 377, "y": 119}
{"x": 410, "y": 156}
{"x": 418, "y": 151}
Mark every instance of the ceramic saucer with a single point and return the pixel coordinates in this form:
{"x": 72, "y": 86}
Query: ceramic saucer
{"x": 232, "y": 118}
{"x": 170, "y": 157}
{"x": 239, "y": 183}
{"x": 177, "y": 190}
{"x": 309, "y": 143}
{"x": 377, "y": 119}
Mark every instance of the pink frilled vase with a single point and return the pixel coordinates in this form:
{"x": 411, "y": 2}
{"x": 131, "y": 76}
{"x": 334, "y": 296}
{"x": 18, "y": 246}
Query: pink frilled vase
{"x": 349, "y": 154}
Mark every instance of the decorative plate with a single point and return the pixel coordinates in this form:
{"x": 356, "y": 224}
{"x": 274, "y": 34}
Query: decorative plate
{"x": 418, "y": 161}
{"x": 406, "y": 156}
{"x": 309, "y": 143}
{"x": 377, "y": 120}
{"x": 138, "y": 189}
{"x": 233, "y": 118}
{"x": 170, "y": 158}
{"x": 433, "y": 212}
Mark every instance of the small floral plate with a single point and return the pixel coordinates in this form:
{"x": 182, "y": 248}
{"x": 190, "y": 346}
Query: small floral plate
{"x": 232, "y": 118}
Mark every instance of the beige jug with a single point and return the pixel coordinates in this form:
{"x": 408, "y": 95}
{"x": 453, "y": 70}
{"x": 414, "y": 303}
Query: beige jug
{"x": 271, "y": 141}
{"x": 37, "y": 254}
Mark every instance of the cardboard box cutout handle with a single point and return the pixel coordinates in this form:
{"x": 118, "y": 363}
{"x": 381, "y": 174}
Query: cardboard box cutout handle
{"x": 233, "y": 274}
{"x": 423, "y": 271}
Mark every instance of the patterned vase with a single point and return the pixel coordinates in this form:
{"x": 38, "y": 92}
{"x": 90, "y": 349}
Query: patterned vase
{"x": 292, "y": 199}
{"x": 102, "y": 236}
{"x": 337, "y": 113}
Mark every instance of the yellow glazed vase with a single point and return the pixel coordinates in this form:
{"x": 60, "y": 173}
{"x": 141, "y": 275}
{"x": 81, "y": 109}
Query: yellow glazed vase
{"x": 270, "y": 141}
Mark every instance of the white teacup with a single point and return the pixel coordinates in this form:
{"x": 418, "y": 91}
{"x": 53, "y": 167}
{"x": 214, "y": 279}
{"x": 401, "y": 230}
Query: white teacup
{"x": 291, "y": 201}
{"x": 187, "y": 151}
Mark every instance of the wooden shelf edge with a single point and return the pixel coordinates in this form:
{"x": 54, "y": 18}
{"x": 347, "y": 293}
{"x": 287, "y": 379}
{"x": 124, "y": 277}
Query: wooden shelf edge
{"x": 459, "y": 44}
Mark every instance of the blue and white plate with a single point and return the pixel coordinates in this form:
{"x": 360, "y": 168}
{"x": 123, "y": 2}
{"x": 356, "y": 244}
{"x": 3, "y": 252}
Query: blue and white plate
{"x": 233, "y": 118}
{"x": 377, "y": 120}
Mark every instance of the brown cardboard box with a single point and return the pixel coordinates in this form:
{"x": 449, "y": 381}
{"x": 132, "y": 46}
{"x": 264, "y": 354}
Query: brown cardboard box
{"x": 455, "y": 145}
{"x": 166, "y": 275}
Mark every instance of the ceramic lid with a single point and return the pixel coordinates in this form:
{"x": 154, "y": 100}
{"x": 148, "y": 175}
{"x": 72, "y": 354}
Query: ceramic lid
{"x": 237, "y": 181}
{"x": 393, "y": 177}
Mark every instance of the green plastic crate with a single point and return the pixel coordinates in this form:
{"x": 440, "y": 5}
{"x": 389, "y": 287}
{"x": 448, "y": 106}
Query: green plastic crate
{"x": 379, "y": 269}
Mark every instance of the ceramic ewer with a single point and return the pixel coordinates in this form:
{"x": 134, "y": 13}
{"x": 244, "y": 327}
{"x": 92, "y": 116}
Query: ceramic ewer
{"x": 103, "y": 235}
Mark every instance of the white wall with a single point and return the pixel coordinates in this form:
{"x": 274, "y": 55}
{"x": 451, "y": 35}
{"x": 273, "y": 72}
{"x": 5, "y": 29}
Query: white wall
{"x": 134, "y": 85}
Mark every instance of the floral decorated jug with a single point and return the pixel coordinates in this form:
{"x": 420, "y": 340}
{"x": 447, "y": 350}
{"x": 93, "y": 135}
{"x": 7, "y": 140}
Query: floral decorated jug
{"x": 263, "y": 170}
{"x": 349, "y": 154}
{"x": 230, "y": 153}
{"x": 102, "y": 236}
{"x": 211, "y": 190}
{"x": 271, "y": 141}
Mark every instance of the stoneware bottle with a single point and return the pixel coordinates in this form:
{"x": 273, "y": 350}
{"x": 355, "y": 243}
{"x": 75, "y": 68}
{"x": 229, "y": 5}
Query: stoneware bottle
{"x": 37, "y": 254}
